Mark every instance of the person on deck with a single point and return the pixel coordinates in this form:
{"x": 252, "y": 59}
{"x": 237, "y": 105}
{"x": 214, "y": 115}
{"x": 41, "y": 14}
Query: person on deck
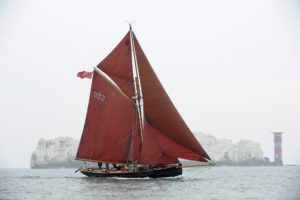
{"x": 100, "y": 165}
{"x": 107, "y": 166}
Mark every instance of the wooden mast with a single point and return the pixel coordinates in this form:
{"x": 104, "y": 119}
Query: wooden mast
{"x": 139, "y": 85}
{"x": 138, "y": 96}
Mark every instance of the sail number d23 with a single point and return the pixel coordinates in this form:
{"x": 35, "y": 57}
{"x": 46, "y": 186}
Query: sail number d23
{"x": 99, "y": 96}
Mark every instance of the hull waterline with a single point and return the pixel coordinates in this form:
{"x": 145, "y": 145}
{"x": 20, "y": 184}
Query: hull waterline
{"x": 153, "y": 173}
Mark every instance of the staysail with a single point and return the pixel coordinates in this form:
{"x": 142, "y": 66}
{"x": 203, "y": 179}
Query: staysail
{"x": 112, "y": 131}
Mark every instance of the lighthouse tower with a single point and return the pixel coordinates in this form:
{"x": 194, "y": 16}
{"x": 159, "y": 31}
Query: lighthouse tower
{"x": 277, "y": 148}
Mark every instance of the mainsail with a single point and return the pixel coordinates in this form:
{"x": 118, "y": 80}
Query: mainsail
{"x": 118, "y": 130}
{"x": 108, "y": 126}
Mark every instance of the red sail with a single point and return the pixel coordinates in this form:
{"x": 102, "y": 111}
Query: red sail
{"x": 109, "y": 124}
{"x": 159, "y": 149}
{"x": 118, "y": 66}
{"x": 161, "y": 114}
{"x": 111, "y": 131}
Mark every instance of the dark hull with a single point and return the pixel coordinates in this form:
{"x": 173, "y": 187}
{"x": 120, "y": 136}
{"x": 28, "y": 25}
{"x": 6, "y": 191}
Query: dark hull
{"x": 154, "y": 173}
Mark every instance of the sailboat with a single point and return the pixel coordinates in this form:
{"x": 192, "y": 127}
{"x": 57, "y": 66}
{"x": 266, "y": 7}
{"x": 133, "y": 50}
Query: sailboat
{"x": 131, "y": 122}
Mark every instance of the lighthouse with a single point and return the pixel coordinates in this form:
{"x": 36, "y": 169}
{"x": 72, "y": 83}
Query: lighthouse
{"x": 278, "y": 148}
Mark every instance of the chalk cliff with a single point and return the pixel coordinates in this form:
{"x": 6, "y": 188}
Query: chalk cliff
{"x": 61, "y": 151}
{"x": 226, "y": 152}
{"x": 55, "y": 153}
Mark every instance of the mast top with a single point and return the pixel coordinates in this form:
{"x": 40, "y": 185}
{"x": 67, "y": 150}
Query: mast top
{"x": 130, "y": 22}
{"x": 130, "y": 28}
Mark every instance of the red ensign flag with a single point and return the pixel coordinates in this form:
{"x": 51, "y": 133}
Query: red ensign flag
{"x": 85, "y": 74}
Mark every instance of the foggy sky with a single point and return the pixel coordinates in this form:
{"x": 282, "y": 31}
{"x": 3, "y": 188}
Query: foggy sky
{"x": 232, "y": 68}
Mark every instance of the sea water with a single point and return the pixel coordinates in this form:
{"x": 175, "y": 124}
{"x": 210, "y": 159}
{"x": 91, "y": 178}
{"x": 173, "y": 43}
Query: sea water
{"x": 196, "y": 183}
